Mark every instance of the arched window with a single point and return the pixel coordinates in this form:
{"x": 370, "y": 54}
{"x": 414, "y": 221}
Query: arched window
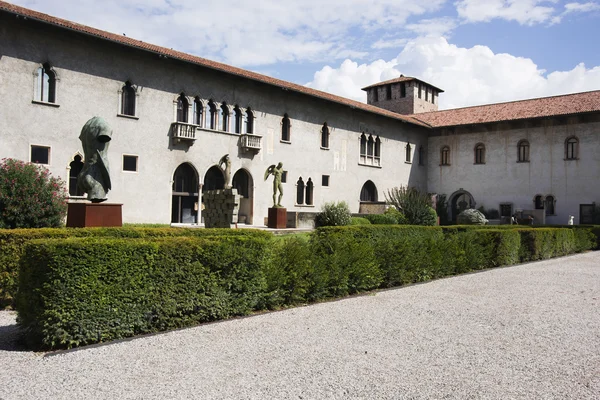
{"x": 309, "y": 192}
{"x": 368, "y": 193}
{"x": 549, "y": 203}
{"x": 445, "y": 156}
{"x": 224, "y": 117}
{"x": 249, "y": 121}
{"x": 377, "y": 158}
{"x": 571, "y": 148}
{"x": 300, "y": 191}
{"x": 238, "y": 119}
{"x": 523, "y": 151}
{"x": 421, "y": 155}
{"x": 363, "y": 149}
{"x": 480, "y": 153}
{"x": 325, "y": 136}
{"x": 182, "y": 108}
{"x": 538, "y": 201}
{"x": 128, "y": 99}
{"x": 285, "y": 128}
{"x": 198, "y": 111}
{"x": 370, "y": 150}
{"x": 408, "y": 153}
{"x": 212, "y": 112}
{"x": 46, "y": 84}
{"x": 241, "y": 181}
{"x": 75, "y": 168}
{"x": 370, "y": 147}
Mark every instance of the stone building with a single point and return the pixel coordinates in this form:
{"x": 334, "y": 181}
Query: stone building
{"x": 174, "y": 116}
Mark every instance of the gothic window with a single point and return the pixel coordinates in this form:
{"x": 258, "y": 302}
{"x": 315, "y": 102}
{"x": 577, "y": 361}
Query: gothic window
{"x": 182, "y": 108}
{"x": 75, "y": 168}
{"x": 408, "y": 153}
{"x": 523, "y": 151}
{"x": 368, "y": 192}
{"x": 388, "y": 92}
{"x": 300, "y": 191}
{"x": 238, "y": 119}
{"x": 46, "y": 84}
{"x": 212, "y": 112}
{"x": 549, "y": 203}
{"x": 571, "y": 148}
{"x": 285, "y": 128}
{"x": 249, "y": 121}
{"x": 198, "y": 111}
{"x": 480, "y": 153}
{"x": 325, "y": 136}
{"x": 309, "y": 192}
{"x": 403, "y": 89}
{"x": 370, "y": 150}
{"x": 375, "y": 94}
{"x": 224, "y": 117}
{"x": 538, "y": 202}
{"x": 128, "y": 99}
{"x": 445, "y": 156}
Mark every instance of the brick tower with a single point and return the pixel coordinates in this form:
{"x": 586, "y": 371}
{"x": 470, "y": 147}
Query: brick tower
{"x": 404, "y": 95}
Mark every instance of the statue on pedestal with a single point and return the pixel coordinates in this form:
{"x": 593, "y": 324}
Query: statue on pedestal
{"x": 94, "y": 178}
{"x": 227, "y": 170}
{"x": 277, "y": 172}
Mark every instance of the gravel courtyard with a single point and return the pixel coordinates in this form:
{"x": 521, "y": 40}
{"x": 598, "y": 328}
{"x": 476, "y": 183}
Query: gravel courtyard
{"x": 525, "y": 332}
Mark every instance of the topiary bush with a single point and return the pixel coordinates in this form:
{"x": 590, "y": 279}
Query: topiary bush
{"x": 334, "y": 214}
{"x": 382, "y": 219}
{"x": 471, "y": 216}
{"x": 359, "y": 221}
{"x": 30, "y": 197}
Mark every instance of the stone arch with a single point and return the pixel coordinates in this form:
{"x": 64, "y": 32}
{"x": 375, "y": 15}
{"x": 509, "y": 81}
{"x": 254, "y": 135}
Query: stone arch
{"x": 184, "y": 206}
{"x": 458, "y": 201}
{"x": 244, "y": 183}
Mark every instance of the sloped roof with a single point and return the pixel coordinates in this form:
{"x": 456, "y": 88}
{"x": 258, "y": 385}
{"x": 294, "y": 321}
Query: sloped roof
{"x": 576, "y": 103}
{"x": 138, "y": 44}
{"x": 402, "y": 78}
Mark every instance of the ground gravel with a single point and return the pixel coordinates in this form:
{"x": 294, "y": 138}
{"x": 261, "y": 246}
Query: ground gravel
{"x": 525, "y": 332}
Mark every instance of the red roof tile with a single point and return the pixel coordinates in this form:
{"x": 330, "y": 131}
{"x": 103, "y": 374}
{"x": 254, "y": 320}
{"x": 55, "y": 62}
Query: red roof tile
{"x": 515, "y": 110}
{"x": 402, "y": 78}
{"x": 127, "y": 41}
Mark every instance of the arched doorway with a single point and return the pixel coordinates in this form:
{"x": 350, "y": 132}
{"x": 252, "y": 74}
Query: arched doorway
{"x": 368, "y": 193}
{"x": 459, "y": 201}
{"x": 185, "y": 195}
{"x": 213, "y": 180}
{"x": 243, "y": 182}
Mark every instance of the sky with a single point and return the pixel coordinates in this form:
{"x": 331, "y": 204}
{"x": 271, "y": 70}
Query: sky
{"x": 477, "y": 51}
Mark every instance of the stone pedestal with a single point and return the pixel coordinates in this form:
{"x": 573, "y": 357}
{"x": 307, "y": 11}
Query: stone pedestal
{"x": 87, "y": 215}
{"x": 277, "y": 218}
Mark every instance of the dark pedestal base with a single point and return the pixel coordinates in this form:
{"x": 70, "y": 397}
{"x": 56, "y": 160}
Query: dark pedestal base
{"x": 277, "y": 218}
{"x": 86, "y": 215}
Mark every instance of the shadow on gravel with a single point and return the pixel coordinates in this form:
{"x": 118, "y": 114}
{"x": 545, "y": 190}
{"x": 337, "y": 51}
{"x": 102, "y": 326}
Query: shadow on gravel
{"x": 10, "y": 338}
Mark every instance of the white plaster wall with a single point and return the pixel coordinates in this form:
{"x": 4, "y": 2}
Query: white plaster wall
{"x": 503, "y": 180}
{"x": 91, "y": 73}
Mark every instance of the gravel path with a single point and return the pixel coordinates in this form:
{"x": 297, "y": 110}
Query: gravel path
{"x": 527, "y": 332}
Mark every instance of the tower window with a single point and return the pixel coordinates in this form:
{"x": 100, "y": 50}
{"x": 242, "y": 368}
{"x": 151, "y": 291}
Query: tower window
{"x": 403, "y": 89}
{"x": 388, "y": 92}
{"x": 375, "y": 94}
{"x": 420, "y": 89}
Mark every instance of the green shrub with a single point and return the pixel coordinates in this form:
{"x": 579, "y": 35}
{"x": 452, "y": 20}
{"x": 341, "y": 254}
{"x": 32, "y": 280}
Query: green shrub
{"x": 12, "y": 242}
{"x": 382, "y": 219}
{"x": 334, "y": 214}
{"x": 400, "y": 218}
{"x": 414, "y": 204}
{"x": 30, "y": 197}
{"x": 81, "y": 291}
{"x": 359, "y": 221}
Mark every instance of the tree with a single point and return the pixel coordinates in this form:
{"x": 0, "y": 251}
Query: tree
{"x": 29, "y": 196}
{"x": 414, "y": 204}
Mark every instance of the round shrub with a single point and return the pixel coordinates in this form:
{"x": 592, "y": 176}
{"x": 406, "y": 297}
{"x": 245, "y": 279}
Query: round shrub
{"x": 359, "y": 221}
{"x": 29, "y": 196}
{"x": 400, "y": 218}
{"x": 471, "y": 216}
{"x": 427, "y": 216}
{"x": 334, "y": 214}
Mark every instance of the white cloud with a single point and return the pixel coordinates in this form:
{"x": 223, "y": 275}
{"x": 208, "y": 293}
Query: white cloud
{"x": 469, "y": 76}
{"x": 390, "y": 43}
{"x": 433, "y": 27}
{"x": 525, "y": 12}
{"x": 245, "y": 34}
{"x": 581, "y": 7}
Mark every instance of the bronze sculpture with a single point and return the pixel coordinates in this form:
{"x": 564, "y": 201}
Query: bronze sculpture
{"x": 277, "y": 172}
{"x": 94, "y": 178}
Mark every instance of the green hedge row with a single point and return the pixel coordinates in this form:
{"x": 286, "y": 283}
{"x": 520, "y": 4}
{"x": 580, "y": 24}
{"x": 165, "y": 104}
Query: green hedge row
{"x": 80, "y": 291}
{"x": 13, "y": 241}
{"x": 76, "y": 291}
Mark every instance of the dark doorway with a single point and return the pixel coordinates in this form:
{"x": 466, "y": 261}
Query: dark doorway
{"x": 242, "y": 181}
{"x": 76, "y": 166}
{"x": 185, "y": 195}
{"x": 368, "y": 193}
{"x": 461, "y": 201}
{"x": 213, "y": 179}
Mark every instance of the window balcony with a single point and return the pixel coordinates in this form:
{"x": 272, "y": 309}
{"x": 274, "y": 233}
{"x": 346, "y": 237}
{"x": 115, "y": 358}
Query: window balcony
{"x": 181, "y": 131}
{"x": 249, "y": 142}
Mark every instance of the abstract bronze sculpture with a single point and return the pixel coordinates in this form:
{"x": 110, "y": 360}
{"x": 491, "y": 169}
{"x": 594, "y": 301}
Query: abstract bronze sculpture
{"x": 277, "y": 172}
{"x": 94, "y": 178}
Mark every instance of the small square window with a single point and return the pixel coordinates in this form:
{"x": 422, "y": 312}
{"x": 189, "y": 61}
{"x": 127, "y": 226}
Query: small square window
{"x": 325, "y": 180}
{"x": 284, "y": 177}
{"x": 130, "y": 163}
{"x": 40, "y": 154}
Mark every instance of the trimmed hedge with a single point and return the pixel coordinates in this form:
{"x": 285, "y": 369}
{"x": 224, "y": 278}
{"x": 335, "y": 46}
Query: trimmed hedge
{"x": 81, "y": 291}
{"x": 13, "y": 241}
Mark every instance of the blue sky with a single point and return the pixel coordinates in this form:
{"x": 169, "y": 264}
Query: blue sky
{"x": 478, "y": 51}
